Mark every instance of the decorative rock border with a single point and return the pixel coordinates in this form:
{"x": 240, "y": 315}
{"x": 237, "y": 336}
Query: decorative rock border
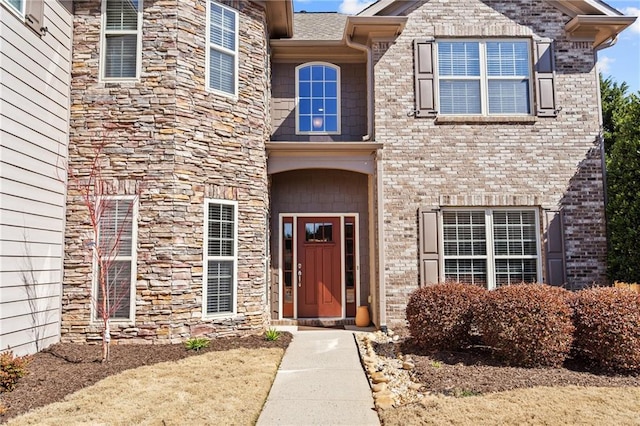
{"x": 391, "y": 379}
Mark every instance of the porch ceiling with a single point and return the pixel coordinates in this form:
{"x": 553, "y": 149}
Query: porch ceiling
{"x": 352, "y": 156}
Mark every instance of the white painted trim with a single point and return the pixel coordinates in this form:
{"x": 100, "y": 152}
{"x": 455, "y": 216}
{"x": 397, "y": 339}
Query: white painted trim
{"x": 206, "y": 258}
{"x": 103, "y": 45}
{"x": 338, "y": 94}
{"x": 134, "y": 263}
{"x": 234, "y": 53}
{"x": 10, "y": 8}
{"x": 484, "y": 77}
{"x": 295, "y": 216}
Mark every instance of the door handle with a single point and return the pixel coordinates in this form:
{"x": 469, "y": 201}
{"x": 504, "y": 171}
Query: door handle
{"x": 299, "y": 274}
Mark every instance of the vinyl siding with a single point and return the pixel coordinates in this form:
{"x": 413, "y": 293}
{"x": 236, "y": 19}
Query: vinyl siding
{"x": 34, "y": 117}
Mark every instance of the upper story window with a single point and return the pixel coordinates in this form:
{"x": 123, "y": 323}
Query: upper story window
{"x": 222, "y": 49}
{"x": 484, "y": 77}
{"x": 122, "y": 39}
{"x": 318, "y": 98}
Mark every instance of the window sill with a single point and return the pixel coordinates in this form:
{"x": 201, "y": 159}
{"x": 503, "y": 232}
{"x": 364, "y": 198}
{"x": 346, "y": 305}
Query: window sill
{"x": 506, "y": 119}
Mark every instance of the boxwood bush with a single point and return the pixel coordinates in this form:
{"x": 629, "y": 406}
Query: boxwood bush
{"x": 440, "y": 315}
{"x": 607, "y": 322}
{"x": 527, "y": 325}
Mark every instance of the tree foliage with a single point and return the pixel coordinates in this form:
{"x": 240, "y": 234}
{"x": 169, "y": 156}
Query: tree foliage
{"x": 621, "y": 126}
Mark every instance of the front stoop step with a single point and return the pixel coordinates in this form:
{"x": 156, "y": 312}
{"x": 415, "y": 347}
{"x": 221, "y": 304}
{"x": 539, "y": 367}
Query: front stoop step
{"x": 314, "y": 322}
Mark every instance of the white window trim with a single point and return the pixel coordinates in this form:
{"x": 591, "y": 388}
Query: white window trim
{"x": 234, "y": 53}
{"x": 207, "y": 258}
{"x": 490, "y": 257}
{"x": 339, "y": 98}
{"x": 19, "y": 13}
{"x": 103, "y": 44}
{"x": 484, "y": 78}
{"x": 133, "y": 258}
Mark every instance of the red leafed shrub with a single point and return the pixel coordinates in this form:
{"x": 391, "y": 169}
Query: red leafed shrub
{"x": 528, "y": 325}
{"x": 12, "y": 368}
{"x": 607, "y": 322}
{"x": 440, "y": 315}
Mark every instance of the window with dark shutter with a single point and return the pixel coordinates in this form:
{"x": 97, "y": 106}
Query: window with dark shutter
{"x": 545, "y": 76}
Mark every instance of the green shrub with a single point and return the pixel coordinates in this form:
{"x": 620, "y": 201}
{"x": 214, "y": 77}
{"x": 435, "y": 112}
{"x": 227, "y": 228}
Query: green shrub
{"x": 527, "y": 325}
{"x": 196, "y": 343}
{"x": 272, "y": 334}
{"x": 607, "y": 322}
{"x": 440, "y": 315}
{"x": 12, "y": 368}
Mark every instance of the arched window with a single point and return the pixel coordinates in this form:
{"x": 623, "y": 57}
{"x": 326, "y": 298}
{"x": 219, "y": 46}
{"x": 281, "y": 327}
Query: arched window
{"x": 318, "y": 98}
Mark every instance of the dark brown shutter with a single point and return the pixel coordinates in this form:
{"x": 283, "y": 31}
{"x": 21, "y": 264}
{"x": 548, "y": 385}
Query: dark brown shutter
{"x": 545, "y": 76}
{"x": 554, "y": 247}
{"x": 429, "y": 256}
{"x": 424, "y": 78}
{"x": 34, "y": 16}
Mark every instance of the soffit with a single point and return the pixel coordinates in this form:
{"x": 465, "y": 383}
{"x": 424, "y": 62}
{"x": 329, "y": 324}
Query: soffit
{"x": 331, "y": 41}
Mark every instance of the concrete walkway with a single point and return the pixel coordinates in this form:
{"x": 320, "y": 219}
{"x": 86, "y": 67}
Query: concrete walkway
{"x": 320, "y": 382}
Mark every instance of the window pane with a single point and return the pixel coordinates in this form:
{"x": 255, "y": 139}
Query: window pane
{"x": 460, "y": 97}
{"x": 514, "y": 233}
{"x": 222, "y": 27}
{"x": 118, "y": 287}
{"x": 219, "y": 286}
{"x": 509, "y": 97}
{"x": 331, "y": 123}
{"x": 17, "y": 4}
{"x": 122, "y": 15}
{"x": 508, "y": 59}
{"x": 121, "y": 53}
{"x": 115, "y": 227}
{"x": 470, "y": 271}
{"x": 515, "y": 271}
{"x": 221, "y": 230}
{"x": 221, "y": 71}
{"x": 459, "y": 58}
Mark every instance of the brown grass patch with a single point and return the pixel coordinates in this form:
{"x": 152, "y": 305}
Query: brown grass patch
{"x": 537, "y": 406}
{"x": 227, "y": 387}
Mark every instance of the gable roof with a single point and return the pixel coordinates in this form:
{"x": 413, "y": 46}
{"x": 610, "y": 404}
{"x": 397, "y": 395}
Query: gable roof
{"x": 591, "y": 20}
{"x": 318, "y": 26}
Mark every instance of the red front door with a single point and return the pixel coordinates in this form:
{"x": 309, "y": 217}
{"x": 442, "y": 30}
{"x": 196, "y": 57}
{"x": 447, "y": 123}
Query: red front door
{"x": 319, "y": 267}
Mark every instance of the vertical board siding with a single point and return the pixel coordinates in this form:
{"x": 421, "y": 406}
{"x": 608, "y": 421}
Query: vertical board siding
{"x": 34, "y": 117}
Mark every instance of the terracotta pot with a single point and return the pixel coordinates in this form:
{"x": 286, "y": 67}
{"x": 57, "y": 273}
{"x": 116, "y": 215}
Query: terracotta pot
{"x": 362, "y": 316}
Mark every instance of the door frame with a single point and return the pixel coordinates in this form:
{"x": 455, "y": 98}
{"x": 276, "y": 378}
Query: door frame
{"x": 343, "y": 286}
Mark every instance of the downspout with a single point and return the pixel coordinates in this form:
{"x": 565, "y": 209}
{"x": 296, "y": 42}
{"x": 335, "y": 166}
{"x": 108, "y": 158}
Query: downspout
{"x": 352, "y": 44}
{"x": 612, "y": 41}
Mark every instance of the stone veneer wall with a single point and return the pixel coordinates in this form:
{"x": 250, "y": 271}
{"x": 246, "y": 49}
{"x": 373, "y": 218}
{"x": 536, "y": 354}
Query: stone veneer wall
{"x": 176, "y": 144}
{"x": 551, "y": 163}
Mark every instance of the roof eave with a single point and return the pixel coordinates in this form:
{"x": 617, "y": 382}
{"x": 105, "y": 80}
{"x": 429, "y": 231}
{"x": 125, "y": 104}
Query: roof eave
{"x": 279, "y": 17}
{"x": 597, "y": 29}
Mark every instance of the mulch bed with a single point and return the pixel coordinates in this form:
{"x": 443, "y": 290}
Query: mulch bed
{"x": 65, "y": 368}
{"x": 475, "y": 372}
